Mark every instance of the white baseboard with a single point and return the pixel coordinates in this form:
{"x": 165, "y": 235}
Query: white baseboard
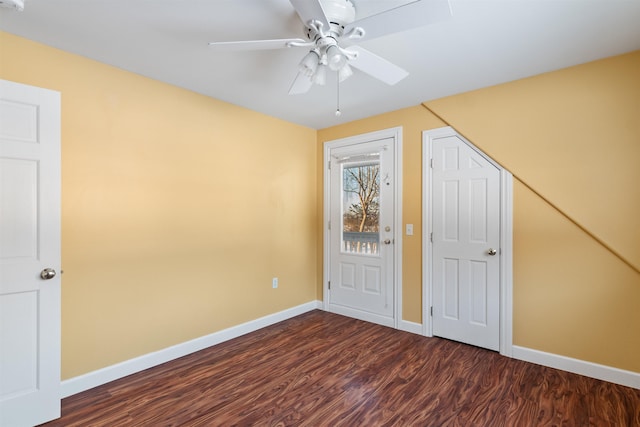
{"x": 110, "y": 373}
{"x": 414, "y": 328}
{"x": 581, "y": 367}
{"x": 102, "y": 376}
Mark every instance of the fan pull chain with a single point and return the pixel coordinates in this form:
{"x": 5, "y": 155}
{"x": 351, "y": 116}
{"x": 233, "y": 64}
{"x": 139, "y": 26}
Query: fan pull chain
{"x": 338, "y": 112}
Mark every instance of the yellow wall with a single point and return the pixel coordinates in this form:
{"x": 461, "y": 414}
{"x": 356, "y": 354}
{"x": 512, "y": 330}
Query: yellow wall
{"x": 177, "y": 209}
{"x": 574, "y": 137}
{"x": 572, "y": 296}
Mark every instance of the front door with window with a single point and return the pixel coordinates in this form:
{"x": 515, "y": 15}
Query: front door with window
{"x": 361, "y": 230}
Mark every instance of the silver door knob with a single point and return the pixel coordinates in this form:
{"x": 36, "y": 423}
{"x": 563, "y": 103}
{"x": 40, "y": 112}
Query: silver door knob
{"x": 48, "y": 273}
{"x": 491, "y": 252}
{"x": 387, "y": 242}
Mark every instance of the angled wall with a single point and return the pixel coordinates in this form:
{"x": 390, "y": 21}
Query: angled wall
{"x": 572, "y": 140}
{"x": 572, "y": 136}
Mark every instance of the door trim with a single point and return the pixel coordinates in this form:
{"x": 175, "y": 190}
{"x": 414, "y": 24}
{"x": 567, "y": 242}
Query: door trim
{"x": 396, "y": 135}
{"x": 506, "y": 239}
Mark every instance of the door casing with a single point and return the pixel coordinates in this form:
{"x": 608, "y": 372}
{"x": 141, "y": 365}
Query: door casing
{"x": 506, "y": 239}
{"x": 396, "y": 135}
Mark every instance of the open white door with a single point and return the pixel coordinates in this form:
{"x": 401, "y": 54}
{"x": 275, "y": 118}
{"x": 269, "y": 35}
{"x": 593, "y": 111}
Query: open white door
{"x": 29, "y": 255}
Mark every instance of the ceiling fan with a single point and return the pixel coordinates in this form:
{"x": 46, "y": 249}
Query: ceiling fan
{"x": 331, "y": 28}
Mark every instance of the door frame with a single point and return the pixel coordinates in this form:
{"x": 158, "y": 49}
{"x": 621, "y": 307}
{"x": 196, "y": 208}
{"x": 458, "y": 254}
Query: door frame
{"x": 506, "y": 238}
{"x": 396, "y": 135}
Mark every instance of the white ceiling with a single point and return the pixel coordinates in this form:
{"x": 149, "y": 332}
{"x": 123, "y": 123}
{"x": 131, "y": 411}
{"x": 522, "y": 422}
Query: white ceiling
{"x": 485, "y": 43}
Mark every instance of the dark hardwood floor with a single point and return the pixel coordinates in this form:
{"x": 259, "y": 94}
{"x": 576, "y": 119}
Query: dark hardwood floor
{"x": 321, "y": 369}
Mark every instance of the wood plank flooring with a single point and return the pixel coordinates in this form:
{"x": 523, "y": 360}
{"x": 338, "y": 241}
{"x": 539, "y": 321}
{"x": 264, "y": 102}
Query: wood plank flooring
{"x": 321, "y": 369}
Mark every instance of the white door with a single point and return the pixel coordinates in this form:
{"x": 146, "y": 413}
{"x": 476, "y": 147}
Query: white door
{"x": 29, "y": 244}
{"x": 361, "y": 231}
{"x": 466, "y": 238}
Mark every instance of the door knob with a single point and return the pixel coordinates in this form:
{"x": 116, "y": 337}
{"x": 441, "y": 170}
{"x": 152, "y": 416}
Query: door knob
{"x": 492, "y": 251}
{"x": 387, "y": 242}
{"x": 48, "y": 273}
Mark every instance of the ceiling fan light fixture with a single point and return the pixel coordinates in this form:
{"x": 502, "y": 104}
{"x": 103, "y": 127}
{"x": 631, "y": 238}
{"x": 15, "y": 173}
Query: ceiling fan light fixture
{"x": 345, "y": 72}
{"x": 336, "y": 59}
{"x": 320, "y": 76}
{"x": 309, "y": 63}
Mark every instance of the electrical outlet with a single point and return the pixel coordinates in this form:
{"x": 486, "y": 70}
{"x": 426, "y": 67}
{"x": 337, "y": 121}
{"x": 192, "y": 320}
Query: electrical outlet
{"x": 274, "y": 282}
{"x": 409, "y": 230}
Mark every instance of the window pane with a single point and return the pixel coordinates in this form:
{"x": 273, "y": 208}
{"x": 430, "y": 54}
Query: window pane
{"x": 361, "y": 207}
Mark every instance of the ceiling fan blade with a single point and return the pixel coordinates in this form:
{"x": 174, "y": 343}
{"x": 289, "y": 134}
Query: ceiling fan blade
{"x": 309, "y": 10}
{"x": 254, "y": 44}
{"x": 376, "y": 66}
{"x": 402, "y": 18}
{"x": 301, "y": 84}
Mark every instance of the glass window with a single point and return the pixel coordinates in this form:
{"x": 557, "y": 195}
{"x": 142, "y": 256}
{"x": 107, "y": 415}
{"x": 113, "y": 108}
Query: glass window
{"x": 361, "y": 207}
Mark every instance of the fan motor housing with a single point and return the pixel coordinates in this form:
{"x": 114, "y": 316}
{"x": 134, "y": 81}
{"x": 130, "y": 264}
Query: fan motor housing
{"x": 341, "y": 12}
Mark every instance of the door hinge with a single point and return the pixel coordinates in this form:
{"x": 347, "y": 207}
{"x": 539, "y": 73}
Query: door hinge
{"x": 431, "y": 237}
{"x": 329, "y": 283}
{"x": 329, "y": 165}
{"x": 431, "y": 311}
{"x": 431, "y": 163}
{"x": 329, "y": 225}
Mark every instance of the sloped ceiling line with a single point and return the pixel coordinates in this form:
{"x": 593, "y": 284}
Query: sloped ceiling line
{"x": 549, "y": 202}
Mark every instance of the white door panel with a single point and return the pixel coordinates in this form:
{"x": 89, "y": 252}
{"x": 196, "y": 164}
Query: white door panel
{"x": 29, "y": 243}
{"x": 466, "y": 228}
{"x": 361, "y": 256}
